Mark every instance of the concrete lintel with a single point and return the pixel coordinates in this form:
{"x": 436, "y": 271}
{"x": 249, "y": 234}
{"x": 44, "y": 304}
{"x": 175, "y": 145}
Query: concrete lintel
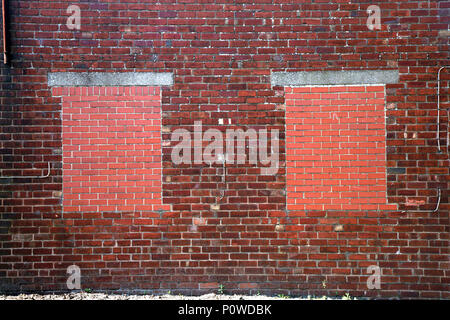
{"x": 87, "y": 79}
{"x": 305, "y": 78}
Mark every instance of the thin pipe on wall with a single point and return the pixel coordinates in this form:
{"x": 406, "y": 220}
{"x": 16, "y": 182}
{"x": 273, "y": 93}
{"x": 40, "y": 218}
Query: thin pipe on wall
{"x": 5, "y": 59}
{"x": 438, "y": 132}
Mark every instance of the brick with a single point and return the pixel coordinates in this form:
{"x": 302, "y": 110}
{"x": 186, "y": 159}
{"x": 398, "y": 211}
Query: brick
{"x": 222, "y": 57}
{"x": 347, "y": 157}
{"x": 99, "y": 151}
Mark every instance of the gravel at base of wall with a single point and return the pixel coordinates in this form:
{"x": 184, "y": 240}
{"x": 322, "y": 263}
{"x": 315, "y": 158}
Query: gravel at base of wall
{"x": 103, "y": 296}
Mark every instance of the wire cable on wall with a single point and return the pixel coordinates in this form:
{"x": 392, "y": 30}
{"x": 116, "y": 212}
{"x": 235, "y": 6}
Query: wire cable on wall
{"x": 438, "y": 132}
{"x": 28, "y": 177}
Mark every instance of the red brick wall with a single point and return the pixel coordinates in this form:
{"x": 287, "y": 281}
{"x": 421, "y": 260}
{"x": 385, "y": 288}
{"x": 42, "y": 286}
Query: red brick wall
{"x": 336, "y": 148}
{"x": 221, "y": 55}
{"x": 111, "y": 148}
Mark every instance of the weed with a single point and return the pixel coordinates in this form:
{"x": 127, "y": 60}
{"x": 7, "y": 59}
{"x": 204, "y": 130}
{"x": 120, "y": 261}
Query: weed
{"x": 221, "y": 289}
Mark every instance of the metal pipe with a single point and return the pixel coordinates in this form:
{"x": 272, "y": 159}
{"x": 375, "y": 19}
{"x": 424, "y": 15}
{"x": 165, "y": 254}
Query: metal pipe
{"x": 224, "y": 181}
{"x": 5, "y": 59}
{"x": 438, "y": 203}
{"x": 438, "y": 132}
{"x": 28, "y": 177}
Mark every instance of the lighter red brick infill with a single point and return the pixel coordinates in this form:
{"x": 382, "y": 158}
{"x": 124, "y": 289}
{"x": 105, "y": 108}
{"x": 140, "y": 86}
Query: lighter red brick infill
{"x": 335, "y": 148}
{"x": 111, "y": 148}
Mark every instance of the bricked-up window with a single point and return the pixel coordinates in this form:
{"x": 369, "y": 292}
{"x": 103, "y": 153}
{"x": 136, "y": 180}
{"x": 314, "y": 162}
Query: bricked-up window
{"x": 336, "y": 149}
{"x": 111, "y": 148}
